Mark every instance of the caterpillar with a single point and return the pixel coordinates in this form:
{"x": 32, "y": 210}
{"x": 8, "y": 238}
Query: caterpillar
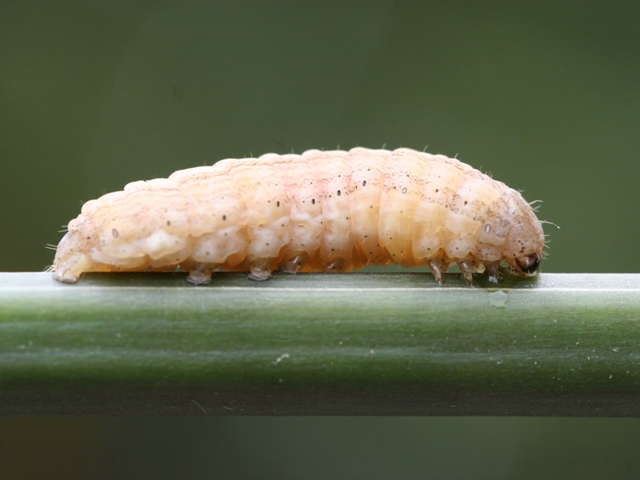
{"x": 330, "y": 211}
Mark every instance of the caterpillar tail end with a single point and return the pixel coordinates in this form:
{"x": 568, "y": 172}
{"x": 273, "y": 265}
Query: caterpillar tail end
{"x": 70, "y": 262}
{"x": 65, "y": 278}
{"x": 69, "y": 271}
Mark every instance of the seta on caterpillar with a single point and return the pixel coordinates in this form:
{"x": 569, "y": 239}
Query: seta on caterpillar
{"x": 330, "y": 211}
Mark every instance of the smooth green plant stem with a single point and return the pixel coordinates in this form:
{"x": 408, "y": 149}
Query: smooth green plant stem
{"x": 364, "y": 343}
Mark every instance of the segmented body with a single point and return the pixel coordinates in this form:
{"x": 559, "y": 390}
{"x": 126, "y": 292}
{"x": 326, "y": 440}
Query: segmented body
{"x": 319, "y": 211}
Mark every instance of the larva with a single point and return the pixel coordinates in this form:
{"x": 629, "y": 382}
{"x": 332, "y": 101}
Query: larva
{"x": 329, "y": 211}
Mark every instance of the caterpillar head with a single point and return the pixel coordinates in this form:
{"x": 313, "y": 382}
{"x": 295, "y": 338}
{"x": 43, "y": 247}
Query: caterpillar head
{"x": 524, "y": 245}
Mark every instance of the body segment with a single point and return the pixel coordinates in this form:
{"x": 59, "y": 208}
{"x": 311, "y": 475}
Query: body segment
{"x": 320, "y": 211}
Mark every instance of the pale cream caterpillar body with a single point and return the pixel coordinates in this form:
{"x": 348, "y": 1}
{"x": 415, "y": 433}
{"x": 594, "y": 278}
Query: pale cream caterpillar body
{"x": 330, "y": 211}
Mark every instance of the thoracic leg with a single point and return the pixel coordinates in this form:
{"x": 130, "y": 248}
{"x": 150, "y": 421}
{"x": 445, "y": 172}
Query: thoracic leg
{"x": 467, "y": 271}
{"x": 494, "y": 273}
{"x": 438, "y": 266}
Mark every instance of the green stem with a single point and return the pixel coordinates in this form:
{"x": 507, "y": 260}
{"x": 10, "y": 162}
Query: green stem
{"x": 364, "y": 343}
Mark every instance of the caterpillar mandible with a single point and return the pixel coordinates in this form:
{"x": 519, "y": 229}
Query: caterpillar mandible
{"x": 330, "y": 211}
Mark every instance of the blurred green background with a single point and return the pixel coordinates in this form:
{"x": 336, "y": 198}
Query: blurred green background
{"x": 544, "y": 95}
